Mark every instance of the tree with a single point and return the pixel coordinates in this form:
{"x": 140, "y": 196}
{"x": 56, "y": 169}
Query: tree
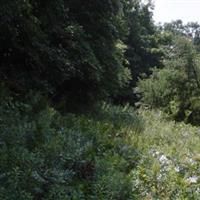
{"x": 65, "y": 49}
{"x": 143, "y": 42}
{"x": 176, "y": 88}
{"x": 190, "y": 30}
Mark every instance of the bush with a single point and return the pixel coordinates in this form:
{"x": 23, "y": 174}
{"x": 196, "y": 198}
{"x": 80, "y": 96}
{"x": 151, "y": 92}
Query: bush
{"x": 44, "y": 155}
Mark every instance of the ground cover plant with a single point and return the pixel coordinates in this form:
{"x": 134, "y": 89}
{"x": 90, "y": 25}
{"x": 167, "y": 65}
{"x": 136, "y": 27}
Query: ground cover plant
{"x": 170, "y": 164}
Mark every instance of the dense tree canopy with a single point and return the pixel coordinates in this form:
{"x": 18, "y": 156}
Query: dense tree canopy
{"x": 77, "y": 51}
{"x": 63, "y": 48}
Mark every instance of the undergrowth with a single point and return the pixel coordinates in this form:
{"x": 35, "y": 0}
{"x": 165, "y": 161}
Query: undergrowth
{"x": 44, "y": 155}
{"x": 169, "y": 167}
{"x": 117, "y": 154}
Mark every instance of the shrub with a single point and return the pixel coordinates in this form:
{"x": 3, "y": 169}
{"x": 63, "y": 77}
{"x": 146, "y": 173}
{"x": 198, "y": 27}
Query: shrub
{"x": 44, "y": 155}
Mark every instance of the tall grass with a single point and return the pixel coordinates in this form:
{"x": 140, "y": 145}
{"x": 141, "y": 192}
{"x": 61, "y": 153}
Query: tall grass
{"x": 170, "y": 163}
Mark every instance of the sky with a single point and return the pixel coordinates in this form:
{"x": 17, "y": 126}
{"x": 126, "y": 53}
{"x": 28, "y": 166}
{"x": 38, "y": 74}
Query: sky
{"x": 168, "y": 10}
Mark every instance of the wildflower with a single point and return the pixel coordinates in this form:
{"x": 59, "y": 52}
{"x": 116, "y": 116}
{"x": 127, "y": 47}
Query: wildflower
{"x": 156, "y": 153}
{"x": 159, "y": 177}
{"x": 177, "y": 169}
{"x": 186, "y": 134}
{"x": 163, "y": 159}
{"x": 192, "y": 179}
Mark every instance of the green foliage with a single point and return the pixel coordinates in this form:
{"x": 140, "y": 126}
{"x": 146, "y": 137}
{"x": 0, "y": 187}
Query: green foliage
{"x": 143, "y": 45}
{"x": 175, "y": 88}
{"x": 113, "y": 154}
{"x": 44, "y": 155}
{"x": 121, "y": 117}
{"x": 65, "y": 49}
{"x": 66, "y": 56}
{"x": 77, "y": 53}
{"x": 169, "y": 165}
{"x": 189, "y": 30}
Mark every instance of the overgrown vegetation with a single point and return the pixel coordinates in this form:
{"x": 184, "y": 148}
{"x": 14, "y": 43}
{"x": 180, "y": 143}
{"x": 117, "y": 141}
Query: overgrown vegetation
{"x": 45, "y": 155}
{"x": 169, "y": 165}
{"x": 115, "y": 155}
{"x": 69, "y": 71}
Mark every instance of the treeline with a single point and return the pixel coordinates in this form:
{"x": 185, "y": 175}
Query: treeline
{"x": 175, "y": 88}
{"x": 77, "y": 52}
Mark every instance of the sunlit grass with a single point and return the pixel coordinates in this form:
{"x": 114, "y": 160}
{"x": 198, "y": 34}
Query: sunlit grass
{"x": 170, "y": 163}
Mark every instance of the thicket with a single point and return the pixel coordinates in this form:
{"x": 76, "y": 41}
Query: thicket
{"x": 44, "y": 155}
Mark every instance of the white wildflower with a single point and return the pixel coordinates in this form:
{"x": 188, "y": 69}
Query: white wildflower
{"x": 177, "y": 169}
{"x": 186, "y": 134}
{"x": 192, "y": 179}
{"x": 159, "y": 177}
{"x": 156, "y": 153}
{"x": 163, "y": 159}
